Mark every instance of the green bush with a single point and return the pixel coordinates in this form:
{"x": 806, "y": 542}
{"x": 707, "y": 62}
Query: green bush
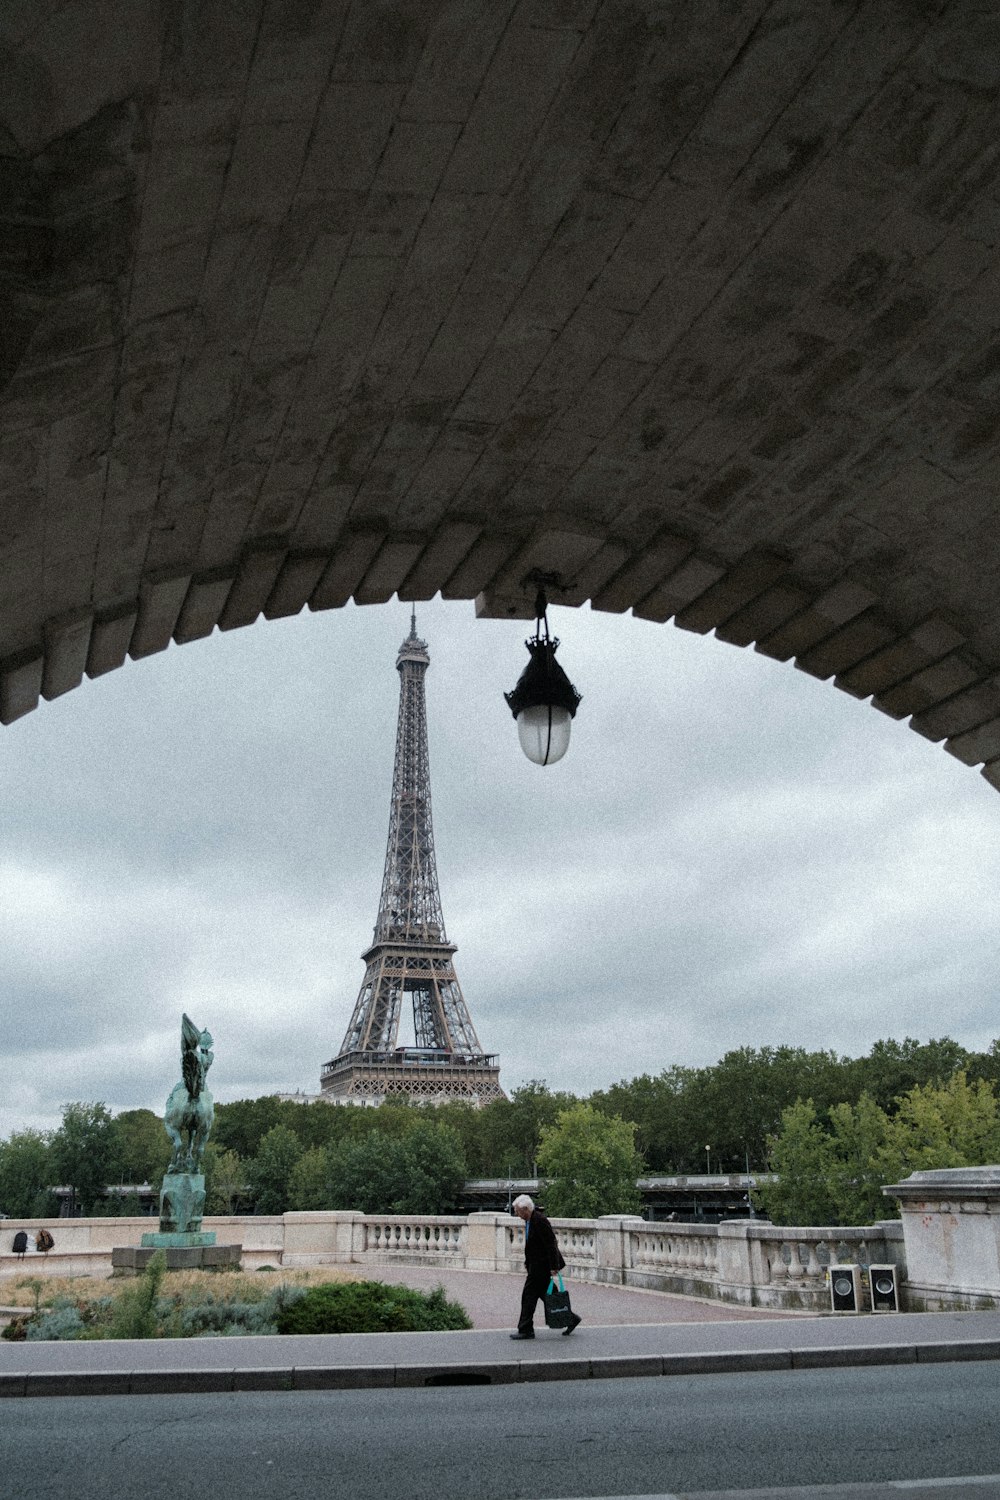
{"x": 370, "y": 1307}
{"x": 65, "y": 1320}
{"x": 226, "y": 1317}
{"x": 55, "y": 1323}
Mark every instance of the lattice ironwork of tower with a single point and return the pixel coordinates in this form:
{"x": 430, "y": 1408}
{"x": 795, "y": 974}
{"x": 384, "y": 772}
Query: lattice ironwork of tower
{"x": 411, "y": 955}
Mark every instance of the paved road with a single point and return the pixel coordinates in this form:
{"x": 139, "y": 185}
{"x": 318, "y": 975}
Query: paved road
{"x": 635, "y": 1437}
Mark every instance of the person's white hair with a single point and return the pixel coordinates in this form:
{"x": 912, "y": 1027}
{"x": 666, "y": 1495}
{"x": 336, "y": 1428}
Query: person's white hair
{"x": 523, "y": 1201}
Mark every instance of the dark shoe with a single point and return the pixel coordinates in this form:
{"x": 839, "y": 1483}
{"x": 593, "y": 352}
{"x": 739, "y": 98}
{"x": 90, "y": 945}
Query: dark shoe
{"x": 576, "y": 1321}
{"x": 520, "y": 1335}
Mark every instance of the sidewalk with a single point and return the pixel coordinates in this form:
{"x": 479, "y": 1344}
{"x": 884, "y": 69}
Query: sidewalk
{"x": 624, "y": 1333}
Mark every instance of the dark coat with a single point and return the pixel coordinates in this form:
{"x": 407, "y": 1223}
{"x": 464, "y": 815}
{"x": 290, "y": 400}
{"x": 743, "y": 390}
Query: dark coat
{"x": 541, "y": 1250}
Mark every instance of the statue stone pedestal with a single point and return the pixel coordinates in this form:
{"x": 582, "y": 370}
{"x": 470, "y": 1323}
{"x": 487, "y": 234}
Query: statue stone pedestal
{"x": 181, "y": 1255}
{"x": 186, "y": 1245}
{"x": 182, "y": 1203}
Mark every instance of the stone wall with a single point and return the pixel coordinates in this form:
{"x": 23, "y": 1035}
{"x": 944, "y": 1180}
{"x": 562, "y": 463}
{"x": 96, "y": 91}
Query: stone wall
{"x": 951, "y": 1220}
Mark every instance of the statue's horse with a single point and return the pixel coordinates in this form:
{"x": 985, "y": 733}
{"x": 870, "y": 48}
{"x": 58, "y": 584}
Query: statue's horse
{"x": 190, "y": 1108}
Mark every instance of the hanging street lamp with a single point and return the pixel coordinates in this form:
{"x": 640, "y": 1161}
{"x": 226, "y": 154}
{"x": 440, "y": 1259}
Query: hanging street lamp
{"x": 544, "y": 701}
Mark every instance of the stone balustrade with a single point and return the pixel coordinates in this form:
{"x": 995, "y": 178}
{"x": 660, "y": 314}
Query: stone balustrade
{"x": 750, "y": 1263}
{"x": 946, "y": 1247}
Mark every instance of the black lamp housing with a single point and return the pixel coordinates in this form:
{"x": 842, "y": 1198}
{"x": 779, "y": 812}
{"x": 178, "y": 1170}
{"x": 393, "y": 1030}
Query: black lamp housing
{"x": 543, "y": 685}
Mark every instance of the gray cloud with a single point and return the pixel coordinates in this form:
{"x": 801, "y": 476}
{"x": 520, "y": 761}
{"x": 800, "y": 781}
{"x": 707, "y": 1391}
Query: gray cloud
{"x": 731, "y": 854}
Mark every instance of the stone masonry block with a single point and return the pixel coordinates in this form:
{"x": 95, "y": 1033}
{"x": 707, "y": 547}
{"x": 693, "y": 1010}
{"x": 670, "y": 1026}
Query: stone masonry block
{"x": 740, "y": 584}
{"x": 257, "y": 575}
{"x": 608, "y": 560}
{"x": 690, "y": 581}
{"x": 300, "y": 573}
{"x": 976, "y": 744}
{"x": 910, "y": 653}
{"x": 992, "y": 773}
{"x": 833, "y": 608}
{"x": 263, "y": 1379}
{"x": 109, "y": 639}
{"x": 77, "y": 1383}
{"x": 203, "y": 604}
{"x": 557, "y": 1369}
{"x": 67, "y": 643}
{"x": 763, "y": 615}
{"x": 627, "y": 1366}
{"x": 966, "y": 710}
{"x": 941, "y": 680}
{"x": 554, "y": 551}
{"x": 439, "y": 559}
{"x": 171, "y": 1382}
{"x": 388, "y": 569}
{"x": 20, "y": 685}
{"x": 343, "y": 1377}
{"x": 480, "y": 566}
{"x": 848, "y": 645}
{"x": 160, "y": 602}
{"x": 643, "y": 573}
{"x": 347, "y": 566}
{"x": 854, "y": 1354}
{"x": 727, "y": 1361}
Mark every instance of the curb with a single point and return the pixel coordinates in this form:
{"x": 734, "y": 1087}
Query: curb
{"x": 140, "y": 1382}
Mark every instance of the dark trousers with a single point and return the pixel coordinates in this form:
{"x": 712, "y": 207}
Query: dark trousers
{"x": 536, "y": 1284}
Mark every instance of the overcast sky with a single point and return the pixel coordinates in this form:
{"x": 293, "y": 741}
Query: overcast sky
{"x": 730, "y": 854}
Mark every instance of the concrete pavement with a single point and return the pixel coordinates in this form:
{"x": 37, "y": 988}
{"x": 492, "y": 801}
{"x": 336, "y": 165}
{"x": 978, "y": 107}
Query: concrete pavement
{"x": 624, "y": 1333}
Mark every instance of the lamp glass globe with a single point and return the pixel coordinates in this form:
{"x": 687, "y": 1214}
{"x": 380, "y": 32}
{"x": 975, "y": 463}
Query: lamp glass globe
{"x": 544, "y": 733}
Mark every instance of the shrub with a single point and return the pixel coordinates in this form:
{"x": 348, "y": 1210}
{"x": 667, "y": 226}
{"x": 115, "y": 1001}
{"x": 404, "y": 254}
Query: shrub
{"x": 134, "y": 1314}
{"x": 62, "y": 1322}
{"x": 16, "y": 1331}
{"x": 65, "y": 1319}
{"x": 370, "y": 1307}
{"x": 230, "y": 1317}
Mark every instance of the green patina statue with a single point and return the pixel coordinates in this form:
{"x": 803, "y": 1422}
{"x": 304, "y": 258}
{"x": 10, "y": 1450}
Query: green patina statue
{"x": 190, "y": 1108}
{"x": 188, "y": 1120}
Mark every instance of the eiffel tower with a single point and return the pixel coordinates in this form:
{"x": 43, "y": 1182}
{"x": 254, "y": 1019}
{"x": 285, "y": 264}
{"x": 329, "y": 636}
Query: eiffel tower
{"x": 410, "y": 954}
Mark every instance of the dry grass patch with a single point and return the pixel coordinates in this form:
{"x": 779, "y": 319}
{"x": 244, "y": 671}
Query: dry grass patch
{"x": 245, "y": 1286}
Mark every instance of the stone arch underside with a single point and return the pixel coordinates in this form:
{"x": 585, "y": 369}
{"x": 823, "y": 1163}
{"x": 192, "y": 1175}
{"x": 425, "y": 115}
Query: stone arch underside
{"x": 695, "y": 309}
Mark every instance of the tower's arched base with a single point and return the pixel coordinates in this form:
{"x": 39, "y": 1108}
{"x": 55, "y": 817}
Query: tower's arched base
{"x": 407, "y": 1073}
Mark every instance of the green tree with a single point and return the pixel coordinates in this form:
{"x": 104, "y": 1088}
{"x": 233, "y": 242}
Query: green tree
{"x": 309, "y": 1186}
{"x": 225, "y": 1180}
{"x": 269, "y": 1174}
{"x": 420, "y": 1172}
{"x": 366, "y": 1175}
{"x": 954, "y": 1125}
{"x": 804, "y": 1157}
{"x": 433, "y": 1166}
{"x": 866, "y": 1156}
{"x": 892, "y": 1068}
{"x": 141, "y": 1147}
{"x": 25, "y": 1174}
{"x": 83, "y": 1150}
{"x": 241, "y": 1125}
{"x": 591, "y": 1164}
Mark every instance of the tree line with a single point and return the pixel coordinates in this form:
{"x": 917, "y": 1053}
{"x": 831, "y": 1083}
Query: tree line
{"x": 829, "y": 1125}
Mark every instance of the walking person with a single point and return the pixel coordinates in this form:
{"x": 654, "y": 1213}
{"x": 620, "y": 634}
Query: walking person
{"x": 542, "y": 1262}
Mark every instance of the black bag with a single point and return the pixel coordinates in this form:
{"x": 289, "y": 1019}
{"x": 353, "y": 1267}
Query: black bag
{"x": 20, "y": 1242}
{"x": 558, "y": 1313}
